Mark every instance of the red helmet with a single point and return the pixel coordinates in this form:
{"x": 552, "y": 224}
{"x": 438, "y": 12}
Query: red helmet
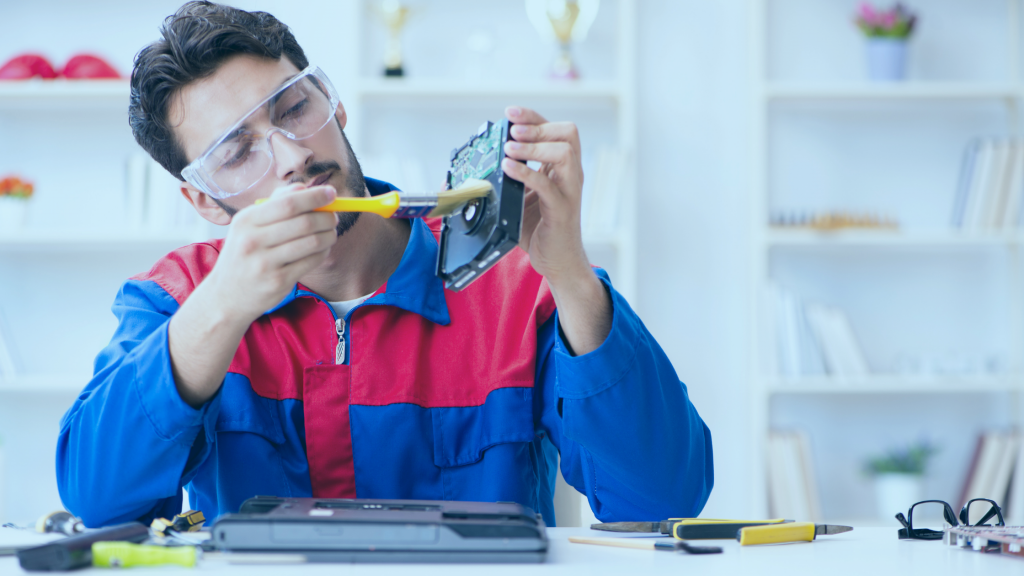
{"x": 27, "y": 66}
{"x": 88, "y": 66}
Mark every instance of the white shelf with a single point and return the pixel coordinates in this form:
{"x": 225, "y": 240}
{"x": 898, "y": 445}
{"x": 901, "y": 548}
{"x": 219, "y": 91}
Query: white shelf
{"x": 890, "y": 238}
{"x": 63, "y": 93}
{"x": 45, "y": 383}
{"x": 70, "y": 241}
{"x": 891, "y": 91}
{"x": 427, "y": 88}
{"x": 897, "y": 384}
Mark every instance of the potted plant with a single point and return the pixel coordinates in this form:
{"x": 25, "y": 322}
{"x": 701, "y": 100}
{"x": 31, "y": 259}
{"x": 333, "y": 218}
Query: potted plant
{"x": 887, "y": 34}
{"x": 899, "y": 477}
{"x": 14, "y": 197}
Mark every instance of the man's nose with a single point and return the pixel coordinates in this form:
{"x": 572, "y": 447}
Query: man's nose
{"x": 290, "y": 158}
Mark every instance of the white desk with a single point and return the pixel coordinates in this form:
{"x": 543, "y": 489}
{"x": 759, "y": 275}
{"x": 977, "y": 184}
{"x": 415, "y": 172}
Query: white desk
{"x": 863, "y": 552}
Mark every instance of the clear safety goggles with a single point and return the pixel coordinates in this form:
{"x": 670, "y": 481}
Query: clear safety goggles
{"x": 244, "y": 155}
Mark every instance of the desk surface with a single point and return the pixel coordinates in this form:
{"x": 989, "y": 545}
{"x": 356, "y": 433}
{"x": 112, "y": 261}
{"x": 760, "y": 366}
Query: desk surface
{"x": 863, "y": 552}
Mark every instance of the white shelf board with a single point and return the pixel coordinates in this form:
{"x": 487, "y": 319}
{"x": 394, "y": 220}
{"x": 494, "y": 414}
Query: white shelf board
{"x": 87, "y": 241}
{"x": 897, "y": 384}
{"x": 45, "y": 383}
{"x": 63, "y": 93}
{"x": 423, "y": 88}
{"x": 889, "y": 238}
{"x": 891, "y": 91}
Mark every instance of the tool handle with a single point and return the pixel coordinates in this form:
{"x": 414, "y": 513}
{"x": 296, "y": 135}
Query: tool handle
{"x": 774, "y": 534}
{"x": 126, "y": 554}
{"x": 383, "y": 205}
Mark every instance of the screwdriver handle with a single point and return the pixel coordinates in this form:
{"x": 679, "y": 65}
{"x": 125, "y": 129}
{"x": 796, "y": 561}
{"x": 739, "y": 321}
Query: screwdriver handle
{"x": 776, "y": 533}
{"x": 383, "y": 205}
{"x": 126, "y": 554}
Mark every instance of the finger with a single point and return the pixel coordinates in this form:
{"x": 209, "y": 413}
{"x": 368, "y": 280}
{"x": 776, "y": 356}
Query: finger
{"x": 520, "y": 115}
{"x": 551, "y": 198}
{"x": 287, "y": 203}
{"x": 301, "y": 247}
{"x": 550, "y": 132}
{"x": 555, "y": 153}
{"x": 531, "y": 217}
{"x": 302, "y": 225}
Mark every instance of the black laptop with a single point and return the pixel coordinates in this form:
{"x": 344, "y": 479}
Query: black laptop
{"x": 357, "y": 530}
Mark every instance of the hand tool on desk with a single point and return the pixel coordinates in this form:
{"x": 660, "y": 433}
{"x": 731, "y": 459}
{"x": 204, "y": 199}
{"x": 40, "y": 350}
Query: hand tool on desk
{"x": 127, "y": 555}
{"x": 789, "y": 532}
{"x": 403, "y": 205}
{"x": 647, "y": 544}
{"x": 688, "y": 528}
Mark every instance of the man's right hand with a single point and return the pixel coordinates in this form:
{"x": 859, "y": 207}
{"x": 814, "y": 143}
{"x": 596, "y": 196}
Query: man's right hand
{"x": 269, "y": 247}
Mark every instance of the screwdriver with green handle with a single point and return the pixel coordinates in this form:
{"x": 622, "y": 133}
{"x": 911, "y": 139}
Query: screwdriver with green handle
{"x": 126, "y": 555}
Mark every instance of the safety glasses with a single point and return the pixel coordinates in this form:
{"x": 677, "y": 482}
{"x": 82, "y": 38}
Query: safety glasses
{"x": 984, "y": 511}
{"x": 243, "y": 155}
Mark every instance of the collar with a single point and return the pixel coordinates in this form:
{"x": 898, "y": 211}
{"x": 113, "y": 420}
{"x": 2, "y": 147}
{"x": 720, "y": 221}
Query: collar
{"x": 413, "y": 286}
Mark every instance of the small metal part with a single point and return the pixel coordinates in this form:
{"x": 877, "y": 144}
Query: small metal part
{"x": 828, "y": 529}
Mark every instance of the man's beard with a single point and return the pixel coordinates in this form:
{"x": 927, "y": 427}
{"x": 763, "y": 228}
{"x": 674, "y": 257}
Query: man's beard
{"x": 355, "y": 183}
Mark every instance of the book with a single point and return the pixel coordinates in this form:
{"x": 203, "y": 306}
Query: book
{"x": 991, "y": 471}
{"x": 793, "y": 491}
{"x": 812, "y": 339}
{"x": 1014, "y": 505}
{"x": 964, "y": 183}
{"x": 7, "y": 368}
{"x": 1015, "y": 189}
{"x": 990, "y": 188}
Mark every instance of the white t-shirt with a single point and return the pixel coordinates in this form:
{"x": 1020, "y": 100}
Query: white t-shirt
{"x": 342, "y": 308}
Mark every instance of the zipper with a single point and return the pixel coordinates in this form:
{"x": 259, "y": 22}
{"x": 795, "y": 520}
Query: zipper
{"x": 339, "y": 351}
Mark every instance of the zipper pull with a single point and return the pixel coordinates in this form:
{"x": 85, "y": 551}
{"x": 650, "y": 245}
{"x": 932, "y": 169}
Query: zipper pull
{"x": 339, "y": 352}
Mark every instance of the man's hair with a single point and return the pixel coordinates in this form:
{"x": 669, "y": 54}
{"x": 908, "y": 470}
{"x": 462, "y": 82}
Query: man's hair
{"x": 193, "y": 43}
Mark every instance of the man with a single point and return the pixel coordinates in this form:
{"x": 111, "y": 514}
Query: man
{"x": 310, "y": 354}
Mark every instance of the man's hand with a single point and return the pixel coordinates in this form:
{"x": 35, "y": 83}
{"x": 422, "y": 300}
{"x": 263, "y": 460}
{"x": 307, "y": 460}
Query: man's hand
{"x": 551, "y": 223}
{"x": 267, "y": 250}
{"x": 270, "y": 246}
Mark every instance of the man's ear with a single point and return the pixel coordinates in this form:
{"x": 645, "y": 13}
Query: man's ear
{"x": 205, "y": 205}
{"x": 341, "y": 115}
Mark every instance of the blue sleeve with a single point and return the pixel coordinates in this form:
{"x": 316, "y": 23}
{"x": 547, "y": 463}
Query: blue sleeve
{"x": 129, "y": 442}
{"x": 628, "y": 436}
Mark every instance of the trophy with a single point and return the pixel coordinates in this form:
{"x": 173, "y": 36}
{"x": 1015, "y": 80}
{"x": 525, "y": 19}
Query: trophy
{"x": 394, "y": 15}
{"x": 565, "y": 21}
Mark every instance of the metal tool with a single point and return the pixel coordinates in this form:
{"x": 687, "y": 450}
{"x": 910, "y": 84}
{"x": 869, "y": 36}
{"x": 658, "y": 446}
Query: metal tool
{"x": 688, "y": 528}
{"x": 647, "y": 544}
{"x": 789, "y": 532}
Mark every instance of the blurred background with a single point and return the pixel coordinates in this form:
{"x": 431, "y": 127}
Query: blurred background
{"x": 813, "y": 205}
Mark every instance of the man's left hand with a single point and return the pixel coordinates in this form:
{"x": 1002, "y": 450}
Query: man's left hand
{"x": 551, "y": 223}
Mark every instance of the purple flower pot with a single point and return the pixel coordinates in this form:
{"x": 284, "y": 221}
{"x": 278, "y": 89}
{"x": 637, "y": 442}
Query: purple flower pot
{"x": 887, "y": 59}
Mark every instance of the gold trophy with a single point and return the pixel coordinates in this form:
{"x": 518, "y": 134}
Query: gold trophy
{"x": 565, "y": 21}
{"x": 394, "y": 15}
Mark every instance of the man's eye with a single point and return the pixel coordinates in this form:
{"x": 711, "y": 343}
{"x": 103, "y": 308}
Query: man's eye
{"x": 295, "y": 110}
{"x": 241, "y": 153}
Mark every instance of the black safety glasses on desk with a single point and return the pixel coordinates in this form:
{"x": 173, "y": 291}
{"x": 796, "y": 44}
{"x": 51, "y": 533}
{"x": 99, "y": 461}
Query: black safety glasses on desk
{"x": 908, "y": 532}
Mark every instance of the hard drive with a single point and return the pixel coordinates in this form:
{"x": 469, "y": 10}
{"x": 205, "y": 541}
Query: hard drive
{"x": 359, "y": 530}
{"x": 475, "y": 237}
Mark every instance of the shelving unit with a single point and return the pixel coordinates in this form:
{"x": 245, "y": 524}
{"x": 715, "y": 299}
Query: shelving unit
{"x": 69, "y": 113}
{"x": 802, "y": 249}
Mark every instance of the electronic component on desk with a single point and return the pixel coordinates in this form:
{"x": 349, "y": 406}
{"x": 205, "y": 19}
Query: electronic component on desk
{"x": 1005, "y": 539}
{"x": 189, "y": 521}
{"x": 344, "y": 530}
{"x": 474, "y": 238}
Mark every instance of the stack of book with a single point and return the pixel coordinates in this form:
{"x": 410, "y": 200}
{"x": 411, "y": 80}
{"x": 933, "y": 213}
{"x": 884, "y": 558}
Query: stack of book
{"x": 811, "y": 339}
{"x": 996, "y": 472}
{"x": 603, "y": 189}
{"x": 153, "y": 200}
{"x": 991, "y": 186}
{"x": 792, "y": 489}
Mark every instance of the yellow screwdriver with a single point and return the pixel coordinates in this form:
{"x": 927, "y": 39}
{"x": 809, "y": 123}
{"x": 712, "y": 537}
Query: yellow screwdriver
{"x": 788, "y": 532}
{"x": 126, "y": 554}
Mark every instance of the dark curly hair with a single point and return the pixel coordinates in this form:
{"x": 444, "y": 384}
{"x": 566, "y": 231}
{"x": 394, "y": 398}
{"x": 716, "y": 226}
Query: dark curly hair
{"x": 193, "y": 43}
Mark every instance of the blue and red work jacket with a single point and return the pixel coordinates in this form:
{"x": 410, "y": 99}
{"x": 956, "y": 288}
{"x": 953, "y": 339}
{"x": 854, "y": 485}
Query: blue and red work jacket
{"x": 417, "y": 393}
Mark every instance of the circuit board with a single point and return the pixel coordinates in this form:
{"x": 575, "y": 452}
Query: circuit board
{"x": 481, "y": 232}
{"x": 478, "y": 158}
